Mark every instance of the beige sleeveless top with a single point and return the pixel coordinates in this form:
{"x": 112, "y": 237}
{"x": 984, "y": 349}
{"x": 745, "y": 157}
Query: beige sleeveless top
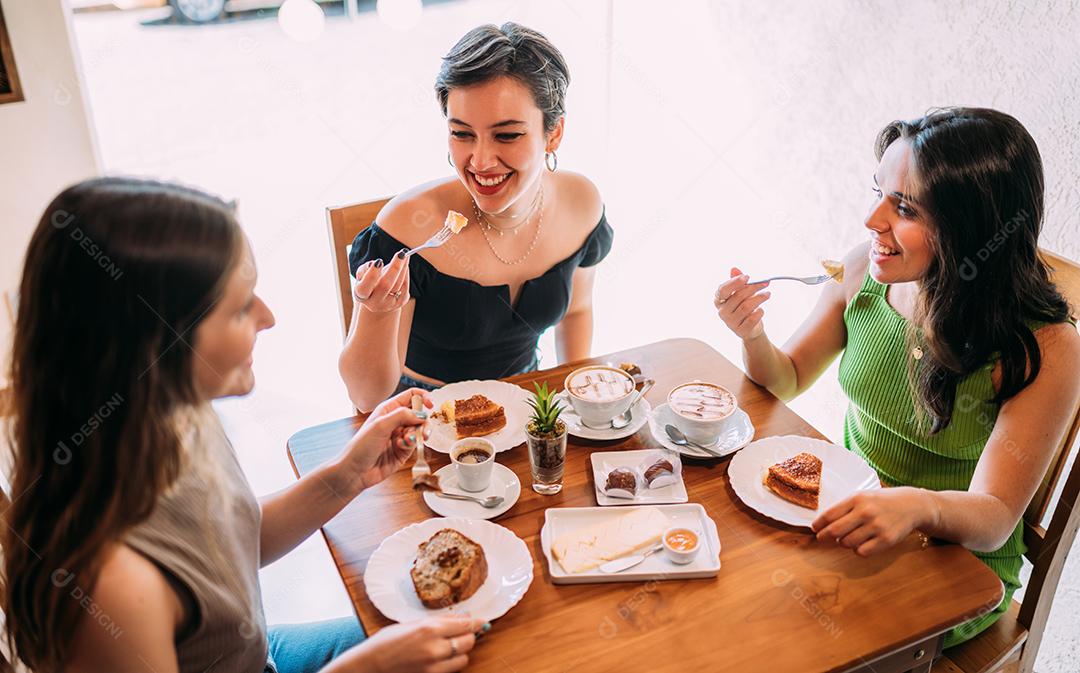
{"x": 204, "y": 534}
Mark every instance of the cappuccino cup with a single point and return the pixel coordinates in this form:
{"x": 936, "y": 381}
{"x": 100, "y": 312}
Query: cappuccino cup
{"x": 701, "y": 410}
{"x": 474, "y": 460}
{"x": 599, "y": 394}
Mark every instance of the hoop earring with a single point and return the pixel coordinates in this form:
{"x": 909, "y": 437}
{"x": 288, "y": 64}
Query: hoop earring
{"x": 450, "y": 161}
{"x": 551, "y": 161}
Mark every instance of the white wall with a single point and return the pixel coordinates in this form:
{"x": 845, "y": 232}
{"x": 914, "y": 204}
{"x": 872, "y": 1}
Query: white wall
{"x": 743, "y": 135}
{"x": 46, "y": 141}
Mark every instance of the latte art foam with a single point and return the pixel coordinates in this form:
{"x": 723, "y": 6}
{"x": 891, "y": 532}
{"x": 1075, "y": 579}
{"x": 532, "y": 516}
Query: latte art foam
{"x": 702, "y": 401}
{"x": 600, "y": 385}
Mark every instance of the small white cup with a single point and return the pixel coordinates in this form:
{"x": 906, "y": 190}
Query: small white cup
{"x": 702, "y": 430}
{"x": 473, "y": 476}
{"x": 678, "y": 555}
{"x": 597, "y": 414}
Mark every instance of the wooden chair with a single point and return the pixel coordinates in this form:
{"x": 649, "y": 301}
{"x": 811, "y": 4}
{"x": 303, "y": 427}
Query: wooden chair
{"x": 343, "y": 224}
{"x": 1012, "y": 643}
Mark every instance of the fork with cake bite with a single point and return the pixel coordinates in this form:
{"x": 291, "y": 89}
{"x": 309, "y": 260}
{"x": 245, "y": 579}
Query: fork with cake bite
{"x": 834, "y": 270}
{"x": 422, "y": 478}
{"x": 455, "y": 222}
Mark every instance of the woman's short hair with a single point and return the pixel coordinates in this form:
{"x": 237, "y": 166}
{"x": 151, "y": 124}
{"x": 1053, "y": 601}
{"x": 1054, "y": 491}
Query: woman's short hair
{"x": 510, "y": 50}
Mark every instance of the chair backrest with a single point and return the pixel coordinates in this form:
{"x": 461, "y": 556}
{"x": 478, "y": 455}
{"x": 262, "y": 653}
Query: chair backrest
{"x": 1049, "y": 547}
{"x": 343, "y": 224}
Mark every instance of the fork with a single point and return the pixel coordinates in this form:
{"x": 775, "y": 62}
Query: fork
{"x": 441, "y": 236}
{"x": 420, "y": 469}
{"x": 809, "y": 280}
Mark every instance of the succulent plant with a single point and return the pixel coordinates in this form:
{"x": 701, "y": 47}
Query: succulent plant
{"x": 546, "y": 409}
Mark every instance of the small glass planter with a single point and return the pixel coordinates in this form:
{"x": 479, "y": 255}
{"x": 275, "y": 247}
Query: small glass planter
{"x": 547, "y": 458}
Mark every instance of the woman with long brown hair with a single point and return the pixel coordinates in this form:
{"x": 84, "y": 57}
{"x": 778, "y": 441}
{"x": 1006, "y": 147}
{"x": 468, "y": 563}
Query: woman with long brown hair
{"x": 959, "y": 356}
{"x": 133, "y": 540}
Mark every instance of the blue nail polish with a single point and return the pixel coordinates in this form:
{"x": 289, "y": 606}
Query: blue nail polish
{"x": 378, "y": 263}
{"x": 401, "y": 253}
{"x": 486, "y": 627}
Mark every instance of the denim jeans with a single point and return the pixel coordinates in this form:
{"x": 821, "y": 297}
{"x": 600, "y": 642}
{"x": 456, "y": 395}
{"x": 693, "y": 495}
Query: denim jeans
{"x": 306, "y": 648}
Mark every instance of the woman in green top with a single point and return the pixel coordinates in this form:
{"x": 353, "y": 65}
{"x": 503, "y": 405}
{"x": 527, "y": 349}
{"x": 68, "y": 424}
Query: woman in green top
{"x": 959, "y": 359}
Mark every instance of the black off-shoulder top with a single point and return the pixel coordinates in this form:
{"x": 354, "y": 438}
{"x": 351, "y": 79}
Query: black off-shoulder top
{"x": 463, "y": 330}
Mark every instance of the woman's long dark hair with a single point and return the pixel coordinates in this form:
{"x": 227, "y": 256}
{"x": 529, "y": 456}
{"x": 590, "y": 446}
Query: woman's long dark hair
{"x": 118, "y": 274}
{"x": 979, "y": 178}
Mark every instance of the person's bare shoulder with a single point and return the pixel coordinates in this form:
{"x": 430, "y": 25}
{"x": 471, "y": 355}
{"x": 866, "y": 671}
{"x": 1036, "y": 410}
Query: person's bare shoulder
{"x": 130, "y": 619}
{"x": 414, "y": 215}
{"x": 583, "y": 197}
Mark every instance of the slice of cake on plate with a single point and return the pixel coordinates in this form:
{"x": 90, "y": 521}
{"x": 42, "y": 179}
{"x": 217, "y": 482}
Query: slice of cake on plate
{"x": 797, "y": 480}
{"x": 449, "y": 568}
{"x": 474, "y": 417}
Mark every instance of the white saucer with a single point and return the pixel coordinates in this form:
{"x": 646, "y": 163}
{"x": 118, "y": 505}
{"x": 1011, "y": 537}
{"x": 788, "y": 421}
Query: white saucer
{"x": 737, "y": 433}
{"x": 503, "y": 482}
{"x": 639, "y": 416}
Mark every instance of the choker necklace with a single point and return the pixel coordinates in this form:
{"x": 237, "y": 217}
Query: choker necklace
{"x": 514, "y": 227}
{"x": 485, "y": 226}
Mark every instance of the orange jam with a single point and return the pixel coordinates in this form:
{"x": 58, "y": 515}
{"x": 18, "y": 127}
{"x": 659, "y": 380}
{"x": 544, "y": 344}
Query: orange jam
{"x": 681, "y": 540}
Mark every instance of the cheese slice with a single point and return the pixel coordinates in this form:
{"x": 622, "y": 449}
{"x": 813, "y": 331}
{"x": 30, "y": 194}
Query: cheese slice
{"x": 588, "y": 547}
{"x": 456, "y": 221}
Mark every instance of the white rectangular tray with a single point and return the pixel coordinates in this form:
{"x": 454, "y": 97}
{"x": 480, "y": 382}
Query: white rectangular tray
{"x": 645, "y": 496}
{"x": 558, "y": 520}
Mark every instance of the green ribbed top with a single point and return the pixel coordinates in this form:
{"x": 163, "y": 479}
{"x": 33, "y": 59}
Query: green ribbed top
{"x": 881, "y": 425}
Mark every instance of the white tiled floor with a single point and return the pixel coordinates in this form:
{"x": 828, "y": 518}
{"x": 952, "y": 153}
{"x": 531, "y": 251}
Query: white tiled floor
{"x": 288, "y": 129}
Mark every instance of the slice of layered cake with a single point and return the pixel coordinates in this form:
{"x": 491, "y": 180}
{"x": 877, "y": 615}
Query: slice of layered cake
{"x": 474, "y": 417}
{"x": 797, "y": 479}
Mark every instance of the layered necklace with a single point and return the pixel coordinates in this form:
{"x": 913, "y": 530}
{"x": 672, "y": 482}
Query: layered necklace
{"x": 485, "y": 227}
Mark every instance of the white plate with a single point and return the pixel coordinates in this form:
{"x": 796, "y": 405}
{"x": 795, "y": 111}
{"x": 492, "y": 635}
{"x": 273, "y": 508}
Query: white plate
{"x": 671, "y": 493}
{"x": 842, "y": 473}
{"x": 737, "y": 433}
{"x": 503, "y": 482}
{"x": 639, "y": 415}
{"x": 510, "y": 571}
{"x": 510, "y": 397}
{"x": 558, "y": 520}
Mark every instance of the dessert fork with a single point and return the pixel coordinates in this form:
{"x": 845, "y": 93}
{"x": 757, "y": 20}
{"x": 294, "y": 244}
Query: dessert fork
{"x": 422, "y": 478}
{"x": 441, "y": 236}
{"x": 809, "y": 280}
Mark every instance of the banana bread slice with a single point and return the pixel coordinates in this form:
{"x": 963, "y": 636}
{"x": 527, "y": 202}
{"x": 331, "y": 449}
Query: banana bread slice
{"x": 449, "y": 568}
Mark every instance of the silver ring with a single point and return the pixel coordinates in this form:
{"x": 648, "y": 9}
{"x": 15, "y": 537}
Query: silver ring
{"x": 722, "y": 302}
{"x": 395, "y": 295}
{"x": 453, "y": 648}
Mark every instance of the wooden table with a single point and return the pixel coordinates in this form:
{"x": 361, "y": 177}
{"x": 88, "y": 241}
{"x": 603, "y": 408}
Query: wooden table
{"x": 782, "y": 601}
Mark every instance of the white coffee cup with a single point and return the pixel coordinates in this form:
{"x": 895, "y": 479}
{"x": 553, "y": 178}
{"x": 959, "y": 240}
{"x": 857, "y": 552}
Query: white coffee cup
{"x": 599, "y": 394}
{"x": 701, "y": 410}
{"x": 473, "y": 473}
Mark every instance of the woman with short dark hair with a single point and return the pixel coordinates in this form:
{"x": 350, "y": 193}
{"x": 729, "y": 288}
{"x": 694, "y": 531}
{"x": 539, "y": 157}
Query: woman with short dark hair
{"x": 475, "y": 307}
{"x": 959, "y": 355}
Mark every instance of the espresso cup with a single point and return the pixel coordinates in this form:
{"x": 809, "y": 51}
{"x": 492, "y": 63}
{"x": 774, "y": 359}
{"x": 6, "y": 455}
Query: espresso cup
{"x": 473, "y": 459}
{"x": 599, "y": 394}
{"x": 701, "y": 410}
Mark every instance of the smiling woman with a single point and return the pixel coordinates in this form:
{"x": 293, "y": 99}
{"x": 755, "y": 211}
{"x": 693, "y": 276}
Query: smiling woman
{"x": 475, "y": 307}
{"x": 949, "y": 364}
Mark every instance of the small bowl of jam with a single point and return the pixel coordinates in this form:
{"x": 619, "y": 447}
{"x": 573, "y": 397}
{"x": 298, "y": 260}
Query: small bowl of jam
{"x": 681, "y": 544}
